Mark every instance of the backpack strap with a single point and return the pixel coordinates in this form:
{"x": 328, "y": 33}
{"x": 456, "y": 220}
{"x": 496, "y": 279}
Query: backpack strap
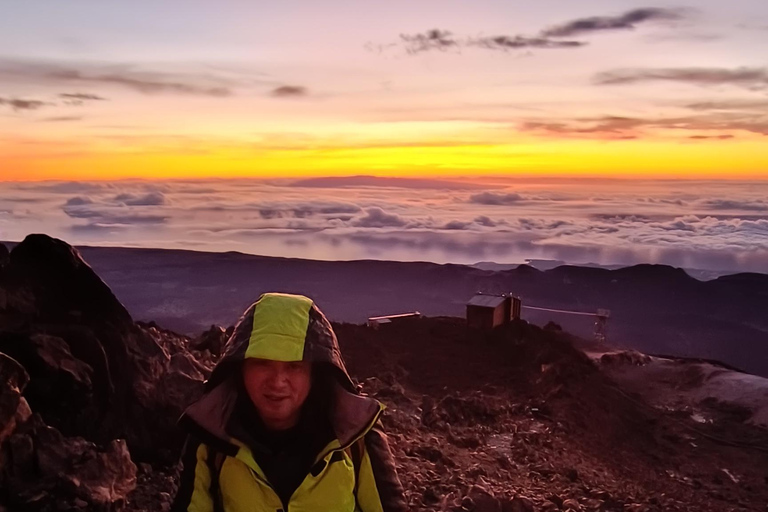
{"x": 215, "y": 461}
{"x": 355, "y": 452}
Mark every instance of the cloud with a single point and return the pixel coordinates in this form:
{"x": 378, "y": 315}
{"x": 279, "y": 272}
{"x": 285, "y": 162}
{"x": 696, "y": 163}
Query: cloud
{"x": 571, "y": 220}
{"x": 65, "y": 187}
{"x": 79, "y": 201}
{"x": 62, "y": 119}
{"x": 383, "y": 182}
{"x": 755, "y": 79}
{"x": 728, "y": 204}
{"x": 144, "y": 82}
{"x": 486, "y": 221}
{"x": 711, "y": 137}
{"x": 521, "y": 42}
{"x": 457, "y": 225}
{"x": 289, "y": 91}
{"x": 79, "y": 98}
{"x": 19, "y": 104}
{"x": 627, "y": 21}
{"x": 97, "y": 228}
{"x": 434, "y": 39}
{"x": 494, "y": 199}
{"x": 111, "y": 217}
{"x": 611, "y": 127}
{"x": 730, "y": 105}
{"x": 375, "y": 217}
{"x": 443, "y": 40}
{"x": 623, "y": 128}
{"x": 329, "y": 210}
{"x": 150, "y": 199}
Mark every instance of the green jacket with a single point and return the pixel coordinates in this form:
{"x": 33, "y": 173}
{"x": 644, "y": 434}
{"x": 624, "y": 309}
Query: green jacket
{"x": 220, "y": 472}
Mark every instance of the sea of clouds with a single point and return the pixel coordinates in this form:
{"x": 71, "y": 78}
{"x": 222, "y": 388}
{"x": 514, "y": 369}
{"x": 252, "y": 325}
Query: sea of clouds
{"x": 714, "y": 225}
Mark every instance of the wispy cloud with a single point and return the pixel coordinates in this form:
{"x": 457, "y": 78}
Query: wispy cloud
{"x": 521, "y": 42}
{"x": 289, "y": 91}
{"x": 443, "y": 40}
{"x": 144, "y": 82}
{"x": 377, "y": 218}
{"x": 755, "y": 79}
{"x": 150, "y": 199}
{"x": 549, "y": 38}
{"x": 496, "y": 199}
{"x": 626, "y": 21}
{"x": 434, "y": 39}
{"x": 619, "y": 128}
{"x": 731, "y": 105}
{"x": 77, "y": 99}
{"x": 384, "y": 182}
{"x": 711, "y": 137}
{"x": 61, "y": 119}
{"x": 21, "y": 104}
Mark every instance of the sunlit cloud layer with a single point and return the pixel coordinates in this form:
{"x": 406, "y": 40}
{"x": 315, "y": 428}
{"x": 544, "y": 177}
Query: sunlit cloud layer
{"x": 706, "y": 225}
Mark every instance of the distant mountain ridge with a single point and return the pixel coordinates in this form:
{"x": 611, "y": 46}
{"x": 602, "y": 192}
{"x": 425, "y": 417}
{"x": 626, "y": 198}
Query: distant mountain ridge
{"x": 654, "y": 308}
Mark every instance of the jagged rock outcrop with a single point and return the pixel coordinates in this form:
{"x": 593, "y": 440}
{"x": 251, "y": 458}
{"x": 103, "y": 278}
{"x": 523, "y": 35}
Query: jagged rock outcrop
{"x": 95, "y": 372}
{"x": 51, "y": 472}
{"x": 4, "y": 255}
{"x": 212, "y": 340}
{"x": 13, "y": 407}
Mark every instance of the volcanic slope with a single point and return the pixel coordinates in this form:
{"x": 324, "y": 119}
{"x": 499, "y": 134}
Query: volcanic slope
{"x": 518, "y": 417}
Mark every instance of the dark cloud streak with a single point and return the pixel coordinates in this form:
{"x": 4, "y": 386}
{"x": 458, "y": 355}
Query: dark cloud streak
{"x": 144, "y": 82}
{"x": 289, "y": 91}
{"x": 18, "y": 104}
{"x": 521, "y": 42}
{"x": 755, "y": 79}
{"x": 627, "y": 21}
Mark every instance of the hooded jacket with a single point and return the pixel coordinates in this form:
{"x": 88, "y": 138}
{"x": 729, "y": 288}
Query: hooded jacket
{"x": 220, "y": 469}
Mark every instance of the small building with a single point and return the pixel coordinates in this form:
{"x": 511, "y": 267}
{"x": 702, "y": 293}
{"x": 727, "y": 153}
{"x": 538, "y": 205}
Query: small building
{"x": 376, "y": 321}
{"x": 487, "y": 311}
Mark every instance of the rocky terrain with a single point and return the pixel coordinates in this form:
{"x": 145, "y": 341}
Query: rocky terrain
{"x": 516, "y": 419}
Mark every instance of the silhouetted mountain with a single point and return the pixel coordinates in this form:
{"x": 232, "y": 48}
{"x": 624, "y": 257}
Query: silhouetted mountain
{"x": 654, "y": 308}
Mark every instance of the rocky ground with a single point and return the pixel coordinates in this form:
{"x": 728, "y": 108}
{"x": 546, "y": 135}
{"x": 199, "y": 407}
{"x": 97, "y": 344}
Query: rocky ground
{"x": 517, "y": 419}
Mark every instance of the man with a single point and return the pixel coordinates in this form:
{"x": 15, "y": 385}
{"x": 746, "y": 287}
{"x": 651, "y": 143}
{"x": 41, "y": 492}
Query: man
{"x": 281, "y": 427}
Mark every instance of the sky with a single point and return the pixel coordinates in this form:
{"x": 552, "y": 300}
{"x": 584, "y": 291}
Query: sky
{"x": 93, "y": 90}
{"x": 604, "y": 131}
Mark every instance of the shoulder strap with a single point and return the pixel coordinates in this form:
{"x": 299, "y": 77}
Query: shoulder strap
{"x": 355, "y": 452}
{"x": 215, "y": 460}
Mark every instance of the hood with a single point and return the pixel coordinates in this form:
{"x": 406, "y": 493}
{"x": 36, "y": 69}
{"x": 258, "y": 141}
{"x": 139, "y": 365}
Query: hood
{"x": 282, "y": 327}
{"x": 279, "y": 327}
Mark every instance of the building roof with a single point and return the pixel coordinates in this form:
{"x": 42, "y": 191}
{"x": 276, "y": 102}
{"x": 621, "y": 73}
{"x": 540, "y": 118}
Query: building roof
{"x": 486, "y": 301}
{"x": 392, "y": 317}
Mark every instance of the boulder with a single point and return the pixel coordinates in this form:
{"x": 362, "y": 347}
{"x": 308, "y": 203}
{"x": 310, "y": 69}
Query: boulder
{"x": 52, "y": 472}
{"x": 96, "y": 373}
{"x": 13, "y": 380}
{"x": 517, "y": 504}
{"x": 212, "y": 340}
{"x": 4, "y": 255}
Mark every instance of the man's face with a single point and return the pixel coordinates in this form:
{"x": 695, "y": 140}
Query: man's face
{"x": 277, "y": 389}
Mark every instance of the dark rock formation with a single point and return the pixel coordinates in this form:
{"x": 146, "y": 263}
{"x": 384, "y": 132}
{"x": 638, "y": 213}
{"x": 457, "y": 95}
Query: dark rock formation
{"x": 13, "y": 406}
{"x": 95, "y": 373}
{"x": 4, "y": 255}
{"x": 212, "y": 340}
{"x": 50, "y": 472}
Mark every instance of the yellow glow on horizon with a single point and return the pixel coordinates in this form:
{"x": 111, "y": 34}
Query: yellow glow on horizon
{"x": 736, "y": 158}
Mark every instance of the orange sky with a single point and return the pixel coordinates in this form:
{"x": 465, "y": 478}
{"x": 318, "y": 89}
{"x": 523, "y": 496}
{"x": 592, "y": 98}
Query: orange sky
{"x": 98, "y": 91}
{"x": 746, "y": 158}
